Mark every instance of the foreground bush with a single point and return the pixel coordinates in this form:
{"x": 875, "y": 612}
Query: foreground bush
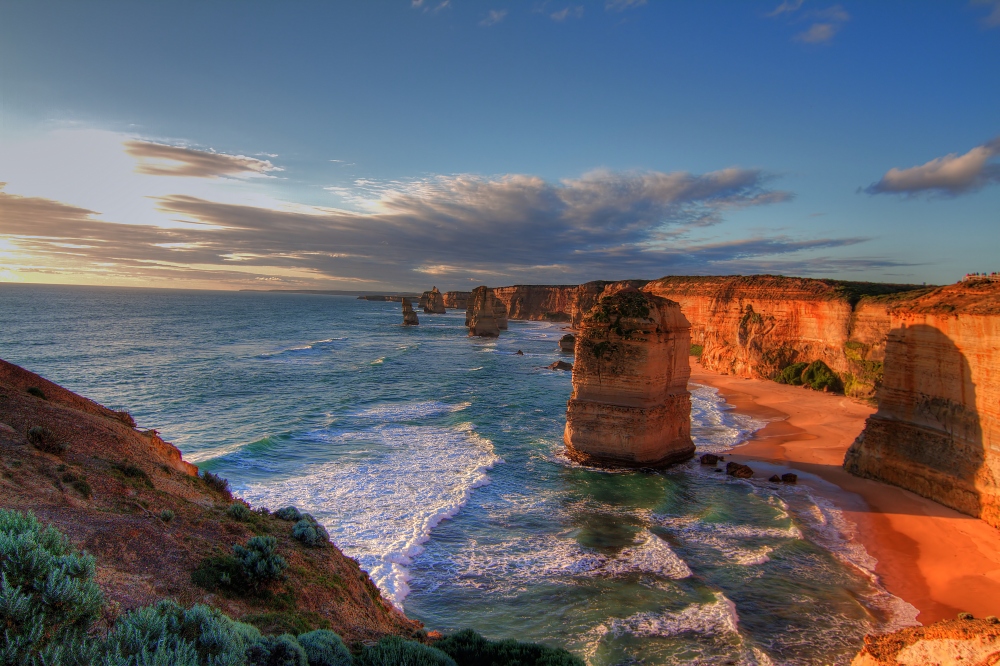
{"x": 44, "y": 439}
{"x": 468, "y": 648}
{"x": 239, "y": 511}
{"x": 281, "y": 650}
{"x": 325, "y": 648}
{"x": 394, "y": 651}
{"x": 48, "y": 597}
{"x": 289, "y": 513}
{"x": 258, "y": 561}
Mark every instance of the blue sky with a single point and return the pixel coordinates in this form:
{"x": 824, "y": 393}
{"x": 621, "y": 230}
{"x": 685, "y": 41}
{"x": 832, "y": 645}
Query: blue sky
{"x": 383, "y": 145}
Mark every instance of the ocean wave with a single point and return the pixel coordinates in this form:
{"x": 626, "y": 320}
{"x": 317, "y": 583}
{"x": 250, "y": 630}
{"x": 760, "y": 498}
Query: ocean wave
{"x": 317, "y": 345}
{"x": 715, "y": 426}
{"x": 382, "y": 509}
{"x": 711, "y": 619}
{"x": 410, "y": 411}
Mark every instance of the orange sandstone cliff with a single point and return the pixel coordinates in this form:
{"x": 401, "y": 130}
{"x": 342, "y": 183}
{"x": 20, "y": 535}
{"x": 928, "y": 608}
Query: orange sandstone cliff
{"x": 128, "y": 498}
{"x": 965, "y": 641}
{"x": 456, "y": 300}
{"x": 630, "y": 405}
{"x": 481, "y": 314}
{"x": 937, "y": 428}
{"x": 432, "y": 301}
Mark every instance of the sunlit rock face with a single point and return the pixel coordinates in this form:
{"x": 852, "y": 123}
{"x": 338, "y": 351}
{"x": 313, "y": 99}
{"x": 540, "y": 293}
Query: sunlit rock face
{"x": 500, "y": 313}
{"x": 480, "y": 316}
{"x": 409, "y": 316}
{"x": 432, "y": 301}
{"x": 937, "y": 428}
{"x": 457, "y": 300}
{"x": 630, "y": 405}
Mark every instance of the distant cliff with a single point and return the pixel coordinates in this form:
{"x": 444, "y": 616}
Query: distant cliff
{"x": 937, "y": 428}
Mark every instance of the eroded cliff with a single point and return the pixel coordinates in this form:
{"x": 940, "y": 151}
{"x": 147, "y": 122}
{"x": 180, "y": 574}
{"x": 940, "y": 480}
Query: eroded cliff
{"x": 432, "y": 301}
{"x": 481, "y": 314}
{"x": 937, "y": 428}
{"x": 630, "y": 404}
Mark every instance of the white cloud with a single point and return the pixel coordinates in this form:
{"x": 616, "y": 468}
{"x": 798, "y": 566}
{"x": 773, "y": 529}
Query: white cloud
{"x": 951, "y": 175}
{"x": 991, "y": 20}
{"x": 574, "y": 11}
{"x": 622, "y": 5}
{"x": 818, "y": 33}
{"x": 493, "y": 17}
{"x": 787, "y": 7}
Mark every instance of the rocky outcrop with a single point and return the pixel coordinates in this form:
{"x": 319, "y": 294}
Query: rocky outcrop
{"x": 409, "y": 316}
{"x": 500, "y": 314}
{"x": 567, "y": 343}
{"x": 963, "y": 641}
{"x": 480, "y": 316}
{"x": 937, "y": 428}
{"x": 630, "y": 405}
{"x": 432, "y": 301}
{"x": 457, "y": 300}
{"x": 561, "y": 365}
{"x": 559, "y": 303}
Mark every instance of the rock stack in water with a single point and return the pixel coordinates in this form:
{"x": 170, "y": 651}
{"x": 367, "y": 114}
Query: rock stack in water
{"x": 432, "y": 301}
{"x": 409, "y": 315}
{"x": 480, "y": 316}
{"x": 567, "y": 343}
{"x": 630, "y": 405}
{"x": 499, "y": 312}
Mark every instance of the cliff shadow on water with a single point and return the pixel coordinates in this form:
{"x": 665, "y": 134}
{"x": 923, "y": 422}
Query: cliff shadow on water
{"x": 927, "y": 435}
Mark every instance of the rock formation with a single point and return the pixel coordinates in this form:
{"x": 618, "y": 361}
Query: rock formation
{"x": 630, "y": 405}
{"x": 561, "y": 365}
{"x": 457, "y": 300}
{"x": 962, "y": 641}
{"x": 500, "y": 314}
{"x": 937, "y": 428}
{"x": 432, "y": 301}
{"x": 409, "y": 316}
{"x": 480, "y": 316}
{"x": 567, "y": 343}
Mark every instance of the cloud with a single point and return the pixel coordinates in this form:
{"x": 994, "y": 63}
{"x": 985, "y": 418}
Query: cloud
{"x": 950, "y": 175}
{"x": 493, "y": 17}
{"x": 157, "y": 159}
{"x": 991, "y": 20}
{"x": 787, "y": 7}
{"x": 622, "y": 5}
{"x": 818, "y": 33}
{"x": 575, "y": 11}
{"x": 826, "y": 23}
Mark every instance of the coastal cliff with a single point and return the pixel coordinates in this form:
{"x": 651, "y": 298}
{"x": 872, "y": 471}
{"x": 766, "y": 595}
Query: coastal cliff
{"x": 961, "y": 641}
{"x": 937, "y": 428}
{"x": 481, "y": 314}
{"x": 155, "y": 526}
{"x": 456, "y": 300}
{"x": 630, "y": 405}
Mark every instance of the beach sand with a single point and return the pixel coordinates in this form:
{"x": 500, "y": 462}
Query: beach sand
{"x": 941, "y": 561}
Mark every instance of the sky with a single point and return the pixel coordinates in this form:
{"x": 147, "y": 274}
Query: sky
{"x": 392, "y": 145}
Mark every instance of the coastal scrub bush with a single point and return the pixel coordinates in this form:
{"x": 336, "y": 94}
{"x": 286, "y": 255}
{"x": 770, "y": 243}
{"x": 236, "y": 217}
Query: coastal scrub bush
{"x": 219, "y": 573}
{"x": 166, "y": 515}
{"x": 325, "y": 648}
{"x": 394, "y": 651}
{"x": 169, "y": 634}
{"x": 281, "y": 650}
{"x": 216, "y": 483}
{"x": 697, "y": 350}
{"x": 792, "y": 374}
{"x": 79, "y": 484}
{"x": 239, "y": 511}
{"x": 37, "y": 392}
{"x": 48, "y": 597}
{"x": 133, "y": 473}
{"x": 819, "y": 376}
{"x": 310, "y": 532}
{"x": 45, "y": 440}
{"x": 259, "y": 564}
{"x": 469, "y": 648}
{"x": 289, "y": 513}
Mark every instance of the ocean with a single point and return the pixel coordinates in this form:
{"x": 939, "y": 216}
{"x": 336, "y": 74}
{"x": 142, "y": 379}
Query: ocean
{"x": 436, "y": 461}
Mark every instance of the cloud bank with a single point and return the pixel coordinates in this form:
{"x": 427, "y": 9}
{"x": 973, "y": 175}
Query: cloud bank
{"x": 157, "y": 159}
{"x": 950, "y": 175}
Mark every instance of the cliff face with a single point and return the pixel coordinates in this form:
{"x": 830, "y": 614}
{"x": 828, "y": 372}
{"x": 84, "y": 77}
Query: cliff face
{"x": 937, "y": 428}
{"x": 630, "y": 404}
{"x": 107, "y": 490}
{"x": 962, "y": 641}
{"x": 500, "y": 314}
{"x": 432, "y": 301}
{"x": 457, "y": 300}
{"x": 409, "y": 316}
{"x": 480, "y": 316}
{"x": 568, "y": 303}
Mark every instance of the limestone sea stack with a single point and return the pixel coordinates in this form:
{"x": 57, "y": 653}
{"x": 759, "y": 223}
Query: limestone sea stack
{"x": 630, "y": 405}
{"x": 480, "y": 316}
{"x": 499, "y": 313}
{"x": 937, "y": 428}
{"x": 432, "y": 301}
{"x": 409, "y": 315}
{"x": 567, "y": 343}
{"x": 457, "y": 300}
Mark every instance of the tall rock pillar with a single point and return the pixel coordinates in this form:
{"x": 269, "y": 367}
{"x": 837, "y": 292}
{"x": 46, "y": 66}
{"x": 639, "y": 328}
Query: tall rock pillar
{"x": 409, "y": 316}
{"x": 481, "y": 314}
{"x": 432, "y": 301}
{"x": 630, "y": 404}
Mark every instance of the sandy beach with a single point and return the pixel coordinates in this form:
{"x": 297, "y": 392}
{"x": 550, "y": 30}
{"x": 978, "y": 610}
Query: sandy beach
{"x": 941, "y": 561}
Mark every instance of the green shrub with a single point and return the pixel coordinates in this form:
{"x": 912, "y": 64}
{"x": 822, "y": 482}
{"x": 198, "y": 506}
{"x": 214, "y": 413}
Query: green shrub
{"x": 697, "y": 350}
{"x": 37, "y": 392}
{"x": 76, "y": 482}
{"x": 278, "y": 622}
{"x": 239, "y": 511}
{"x": 325, "y": 648}
{"x": 166, "y": 515}
{"x": 819, "y": 376}
{"x": 281, "y": 650}
{"x": 259, "y": 564}
{"x": 44, "y": 439}
{"x": 310, "y": 532}
{"x": 168, "y": 634}
{"x": 792, "y": 374}
{"x": 289, "y": 513}
{"x": 133, "y": 473}
{"x": 216, "y": 483}
{"x": 394, "y": 651}
{"x": 48, "y": 597}
{"x": 468, "y": 648}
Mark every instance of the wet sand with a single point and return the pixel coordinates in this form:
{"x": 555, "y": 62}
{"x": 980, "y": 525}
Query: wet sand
{"x": 941, "y": 561}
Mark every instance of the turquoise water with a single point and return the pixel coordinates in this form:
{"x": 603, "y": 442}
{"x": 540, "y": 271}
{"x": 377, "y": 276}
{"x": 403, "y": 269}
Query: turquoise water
{"x": 435, "y": 460}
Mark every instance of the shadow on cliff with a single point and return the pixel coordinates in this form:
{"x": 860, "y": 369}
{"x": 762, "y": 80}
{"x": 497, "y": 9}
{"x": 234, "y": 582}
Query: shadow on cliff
{"x": 926, "y": 436}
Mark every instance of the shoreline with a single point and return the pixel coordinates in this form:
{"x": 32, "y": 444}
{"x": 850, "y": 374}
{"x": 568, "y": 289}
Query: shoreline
{"x": 939, "y": 560}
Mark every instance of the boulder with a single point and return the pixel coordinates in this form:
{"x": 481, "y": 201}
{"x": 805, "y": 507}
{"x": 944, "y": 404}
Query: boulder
{"x": 738, "y": 471}
{"x": 775, "y": 478}
{"x": 789, "y": 478}
{"x": 709, "y": 459}
{"x": 567, "y": 343}
{"x": 409, "y": 316}
{"x": 561, "y": 365}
